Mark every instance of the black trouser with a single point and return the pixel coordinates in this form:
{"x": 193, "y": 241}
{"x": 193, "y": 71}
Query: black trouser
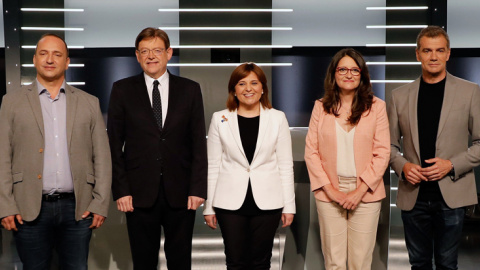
{"x": 248, "y": 239}
{"x": 144, "y": 231}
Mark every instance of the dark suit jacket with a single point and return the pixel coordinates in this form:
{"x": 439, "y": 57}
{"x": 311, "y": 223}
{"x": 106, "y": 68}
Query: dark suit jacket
{"x": 21, "y": 153}
{"x": 459, "y": 120}
{"x": 141, "y": 153}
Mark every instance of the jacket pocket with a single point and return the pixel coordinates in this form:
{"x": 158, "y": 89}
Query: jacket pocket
{"x": 17, "y": 177}
{"x": 90, "y": 179}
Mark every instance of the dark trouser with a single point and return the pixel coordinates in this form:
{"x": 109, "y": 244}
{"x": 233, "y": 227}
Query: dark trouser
{"x": 248, "y": 239}
{"x": 432, "y": 228}
{"x": 54, "y": 227}
{"x": 144, "y": 231}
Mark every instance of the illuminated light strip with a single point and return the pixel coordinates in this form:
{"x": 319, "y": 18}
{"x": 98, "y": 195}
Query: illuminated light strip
{"x": 393, "y": 205}
{"x": 228, "y": 28}
{"x": 393, "y": 63}
{"x": 223, "y": 10}
{"x": 394, "y": 188}
{"x": 391, "y": 81}
{"x": 69, "y": 83}
{"x": 395, "y": 26}
{"x": 69, "y": 47}
{"x": 398, "y": 8}
{"x": 71, "y": 65}
{"x": 52, "y": 9}
{"x": 227, "y": 64}
{"x": 53, "y": 28}
{"x": 393, "y": 45}
{"x": 231, "y": 46}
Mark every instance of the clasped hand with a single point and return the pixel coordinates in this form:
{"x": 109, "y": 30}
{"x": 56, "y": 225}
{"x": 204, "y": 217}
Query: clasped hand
{"x": 415, "y": 173}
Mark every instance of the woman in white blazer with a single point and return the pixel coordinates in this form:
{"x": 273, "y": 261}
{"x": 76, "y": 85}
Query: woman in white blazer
{"x": 250, "y": 171}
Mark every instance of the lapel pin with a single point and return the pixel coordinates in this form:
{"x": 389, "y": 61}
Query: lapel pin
{"x": 224, "y": 119}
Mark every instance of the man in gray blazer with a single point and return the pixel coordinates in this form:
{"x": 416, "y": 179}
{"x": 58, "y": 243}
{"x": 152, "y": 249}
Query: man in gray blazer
{"x": 55, "y": 167}
{"x": 431, "y": 120}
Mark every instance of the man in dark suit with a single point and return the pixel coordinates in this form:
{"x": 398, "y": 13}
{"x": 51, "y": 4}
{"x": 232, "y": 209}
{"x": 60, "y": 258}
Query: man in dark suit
{"x": 431, "y": 119}
{"x": 156, "y": 128}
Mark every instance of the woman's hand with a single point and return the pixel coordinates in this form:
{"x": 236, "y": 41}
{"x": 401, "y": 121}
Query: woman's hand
{"x": 334, "y": 194}
{"x": 211, "y": 221}
{"x": 287, "y": 219}
{"x": 353, "y": 198}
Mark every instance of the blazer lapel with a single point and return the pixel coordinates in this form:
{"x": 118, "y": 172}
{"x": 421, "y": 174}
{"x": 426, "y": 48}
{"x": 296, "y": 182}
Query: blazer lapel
{"x": 262, "y": 129}
{"x": 412, "y": 113}
{"x": 172, "y": 99}
{"x": 448, "y": 100}
{"x": 71, "y": 111}
{"x": 34, "y": 100}
{"x": 140, "y": 94}
{"x": 233, "y": 124}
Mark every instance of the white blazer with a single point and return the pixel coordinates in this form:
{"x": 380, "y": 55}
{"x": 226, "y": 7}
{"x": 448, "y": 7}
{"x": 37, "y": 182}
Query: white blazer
{"x": 271, "y": 170}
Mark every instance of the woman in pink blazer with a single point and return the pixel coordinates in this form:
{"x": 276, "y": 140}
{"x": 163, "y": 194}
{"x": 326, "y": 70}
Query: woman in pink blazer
{"x": 347, "y": 151}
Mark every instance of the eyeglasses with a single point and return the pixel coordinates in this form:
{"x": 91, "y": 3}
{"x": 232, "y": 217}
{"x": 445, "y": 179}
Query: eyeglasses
{"x": 344, "y": 71}
{"x": 156, "y": 52}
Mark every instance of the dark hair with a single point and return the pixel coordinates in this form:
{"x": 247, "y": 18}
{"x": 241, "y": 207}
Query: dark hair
{"x": 52, "y": 35}
{"x": 241, "y": 72}
{"x": 151, "y": 32}
{"x": 363, "y": 98}
{"x": 432, "y": 31}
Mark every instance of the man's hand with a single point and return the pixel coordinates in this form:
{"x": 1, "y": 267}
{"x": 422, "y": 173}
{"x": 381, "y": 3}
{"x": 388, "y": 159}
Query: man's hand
{"x": 413, "y": 173}
{"x": 287, "y": 219}
{"x": 438, "y": 170}
{"x": 211, "y": 221}
{"x": 334, "y": 194}
{"x": 194, "y": 202}
{"x": 97, "y": 221}
{"x": 125, "y": 204}
{"x": 8, "y": 222}
{"x": 354, "y": 197}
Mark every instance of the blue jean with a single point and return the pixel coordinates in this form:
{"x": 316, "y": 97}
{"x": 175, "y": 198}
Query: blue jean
{"x": 55, "y": 227}
{"x": 432, "y": 228}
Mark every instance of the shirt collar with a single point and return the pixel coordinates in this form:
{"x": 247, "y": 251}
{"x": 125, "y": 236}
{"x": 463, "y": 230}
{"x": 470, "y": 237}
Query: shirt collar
{"x": 41, "y": 89}
{"x": 149, "y": 80}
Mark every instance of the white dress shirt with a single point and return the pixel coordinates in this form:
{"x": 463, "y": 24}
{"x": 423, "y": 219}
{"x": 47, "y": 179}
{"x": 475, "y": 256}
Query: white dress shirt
{"x": 164, "y": 81}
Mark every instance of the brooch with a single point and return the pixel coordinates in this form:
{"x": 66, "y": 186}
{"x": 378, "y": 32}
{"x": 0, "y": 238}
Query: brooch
{"x": 224, "y": 119}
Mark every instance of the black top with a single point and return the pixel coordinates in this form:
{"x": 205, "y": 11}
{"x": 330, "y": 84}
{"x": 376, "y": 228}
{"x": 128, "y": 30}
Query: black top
{"x": 429, "y": 108}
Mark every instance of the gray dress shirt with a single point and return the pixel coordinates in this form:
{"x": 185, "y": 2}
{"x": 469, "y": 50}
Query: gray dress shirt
{"x": 57, "y": 175}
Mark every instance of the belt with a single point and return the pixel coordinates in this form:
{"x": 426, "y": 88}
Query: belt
{"x": 57, "y": 196}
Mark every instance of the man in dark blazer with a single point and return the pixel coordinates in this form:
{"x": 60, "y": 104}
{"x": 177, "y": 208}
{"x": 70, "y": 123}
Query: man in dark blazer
{"x": 55, "y": 167}
{"x": 431, "y": 119}
{"x": 156, "y": 128}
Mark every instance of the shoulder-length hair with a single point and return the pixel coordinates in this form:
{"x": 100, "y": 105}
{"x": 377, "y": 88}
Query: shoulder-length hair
{"x": 241, "y": 72}
{"x": 363, "y": 98}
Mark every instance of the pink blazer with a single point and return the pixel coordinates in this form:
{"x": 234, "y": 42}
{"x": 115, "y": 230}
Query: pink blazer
{"x": 371, "y": 150}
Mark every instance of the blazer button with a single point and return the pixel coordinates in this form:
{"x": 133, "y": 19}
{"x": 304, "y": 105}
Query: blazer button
{"x": 40, "y": 150}
{"x": 248, "y": 169}
{"x": 39, "y": 176}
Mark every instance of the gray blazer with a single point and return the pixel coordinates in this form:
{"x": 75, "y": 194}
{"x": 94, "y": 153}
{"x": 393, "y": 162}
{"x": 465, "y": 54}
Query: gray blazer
{"x": 21, "y": 153}
{"x": 459, "y": 119}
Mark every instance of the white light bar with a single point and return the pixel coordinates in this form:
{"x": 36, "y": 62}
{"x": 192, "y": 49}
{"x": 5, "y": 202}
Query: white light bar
{"x": 69, "y": 47}
{"x": 393, "y": 205}
{"x": 52, "y": 9}
{"x": 398, "y": 8}
{"x": 394, "y": 188}
{"x": 393, "y": 63}
{"x": 227, "y": 64}
{"x": 71, "y": 65}
{"x": 395, "y": 26}
{"x": 231, "y": 46}
{"x": 224, "y": 10}
{"x": 227, "y": 28}
{"x": 69, "y": 83}
{"x": 53, "y": 28}
{"x": 392, "y": 45}
{"x": 391, "y": 81}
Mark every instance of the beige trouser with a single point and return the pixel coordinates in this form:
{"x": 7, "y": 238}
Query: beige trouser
{"x": 348, "y": 234}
